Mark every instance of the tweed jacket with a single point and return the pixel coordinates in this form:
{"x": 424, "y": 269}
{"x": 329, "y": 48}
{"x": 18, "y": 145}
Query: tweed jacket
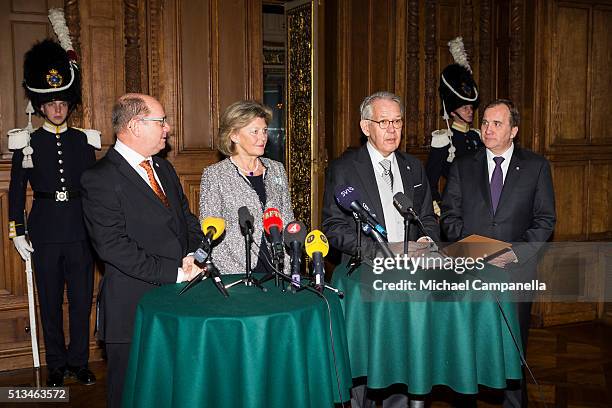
{"x": 223, "y": 191}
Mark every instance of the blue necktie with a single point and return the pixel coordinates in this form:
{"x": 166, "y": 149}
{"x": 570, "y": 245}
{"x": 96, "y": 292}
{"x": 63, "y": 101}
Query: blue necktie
{"x": 497, "y": 182}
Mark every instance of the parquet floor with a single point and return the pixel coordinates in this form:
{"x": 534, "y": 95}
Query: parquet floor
{"x": 573, "y": 365}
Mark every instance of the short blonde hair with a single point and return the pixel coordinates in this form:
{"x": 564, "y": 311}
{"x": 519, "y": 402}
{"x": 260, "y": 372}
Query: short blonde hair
{"x": 235, "y": 117}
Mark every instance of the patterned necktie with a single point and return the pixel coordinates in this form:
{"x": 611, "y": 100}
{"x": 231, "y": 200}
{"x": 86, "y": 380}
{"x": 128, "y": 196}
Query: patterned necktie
{"x": 387, "y": 175}
{"x": 154, "y": 184}
{"x": 497, "y": 182}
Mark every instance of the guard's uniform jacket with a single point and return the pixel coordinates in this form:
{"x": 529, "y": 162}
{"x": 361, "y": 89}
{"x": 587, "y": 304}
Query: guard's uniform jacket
{"x": 58, "y": 161}
{"x": 445, "y": 149}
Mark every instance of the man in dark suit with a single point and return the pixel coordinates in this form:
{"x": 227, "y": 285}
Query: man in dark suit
{"x": 140, "y": 225}
{"x": 506, "y": 193}
{"x": 377, "y": 171}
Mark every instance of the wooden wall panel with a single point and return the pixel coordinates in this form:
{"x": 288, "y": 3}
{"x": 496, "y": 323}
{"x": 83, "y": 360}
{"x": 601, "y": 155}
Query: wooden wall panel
{"x": 570, "y": 181}
{"x": 570, "y": 75}
{"x": 103, "y": 78}
{"x": 196, "y": 80}
{"x": 601, "y": 77}
{"x": 101, "y": 41}
{"x": 600, "y": 199}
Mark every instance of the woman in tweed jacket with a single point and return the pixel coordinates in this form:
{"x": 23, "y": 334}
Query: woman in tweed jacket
{"x": 244, "y": 178}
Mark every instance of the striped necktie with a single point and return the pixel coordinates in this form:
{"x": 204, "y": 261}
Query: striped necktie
{"x": 387, "y": 175}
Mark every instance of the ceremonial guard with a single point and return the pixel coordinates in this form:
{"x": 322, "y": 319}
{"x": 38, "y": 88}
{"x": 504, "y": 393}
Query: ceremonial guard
{"x": 52, "y": 159}
{"x": 459, "y": 100}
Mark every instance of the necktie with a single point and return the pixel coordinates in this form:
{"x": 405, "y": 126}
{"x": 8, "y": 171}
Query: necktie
{"x": 387, "y": 175}
{"x": 497, "y": 182}
{"x": 154, "y": 184}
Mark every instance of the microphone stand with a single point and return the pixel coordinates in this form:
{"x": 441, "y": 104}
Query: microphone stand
{"x": 248, "y": 279}
{"x": 382, "y": 243}
{"x": 434, "y": 246}
{"x": 311, "y": 287}
{"x": 406, "y": 232}
{"x": 356, "y": 258}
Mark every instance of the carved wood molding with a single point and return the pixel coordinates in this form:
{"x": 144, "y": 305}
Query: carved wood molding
{"x": 516, "y": 51}
{"x": 412, "y": 75}
{"x": 467, "y": 29}
{"x": 155, "y": 43}
{"x": 73, "y": 21}
{"x": 430, "y": 68}
{"x": 131, "y": 28}
{"x": 484, "y": 63}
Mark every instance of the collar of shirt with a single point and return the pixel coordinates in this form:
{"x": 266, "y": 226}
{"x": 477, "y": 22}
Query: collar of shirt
{"x": 507, "y": 155}
{"x": 377, "y": 157}
{"x": 134, "y": 159}
{"x": 50, "y": 127}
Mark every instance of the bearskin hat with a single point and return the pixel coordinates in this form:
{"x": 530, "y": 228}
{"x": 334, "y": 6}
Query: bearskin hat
{"x": 49, "y": 74}
{"x": 457, "y": 86}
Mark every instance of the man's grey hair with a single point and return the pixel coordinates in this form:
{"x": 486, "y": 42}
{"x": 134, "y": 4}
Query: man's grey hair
{"x": 366, "y": 106}
{"x": 127, "y": 107}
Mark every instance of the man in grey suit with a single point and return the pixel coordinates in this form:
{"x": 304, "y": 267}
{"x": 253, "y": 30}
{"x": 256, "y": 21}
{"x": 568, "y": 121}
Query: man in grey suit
{"x": 139, "y": 223}
{"x": 503, "y": 192}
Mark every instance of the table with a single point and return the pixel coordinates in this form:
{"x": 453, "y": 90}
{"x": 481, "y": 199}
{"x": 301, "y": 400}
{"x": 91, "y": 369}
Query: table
{"x": 436, "y": 339}
{"x": 253, "y": 349}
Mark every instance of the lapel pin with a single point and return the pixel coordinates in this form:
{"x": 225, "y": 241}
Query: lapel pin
{"x": 518, "y": 168}
{"x": 408, "y": 167}
{"x": 157, "y": 165}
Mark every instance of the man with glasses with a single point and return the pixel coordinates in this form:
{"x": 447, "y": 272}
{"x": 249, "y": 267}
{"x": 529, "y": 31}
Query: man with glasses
{"x": 52, "y": 159}
{"x": 378, "y": 171}
{"x": 140, "y": 225}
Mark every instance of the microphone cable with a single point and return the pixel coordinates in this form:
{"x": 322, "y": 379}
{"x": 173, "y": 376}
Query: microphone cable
{"x": 514, "y": 340}
{"x": 267, "y": 259}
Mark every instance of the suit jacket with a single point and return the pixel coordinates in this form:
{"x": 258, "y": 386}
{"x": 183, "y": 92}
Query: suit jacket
{"x": 354, "y": 168}
{"x": 141, "y": 242}
{"x": 526, "y": 209}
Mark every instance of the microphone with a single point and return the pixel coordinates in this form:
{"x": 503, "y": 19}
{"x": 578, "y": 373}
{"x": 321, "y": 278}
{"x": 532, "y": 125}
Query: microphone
{"x": 295, "y": 235}
{"x": 245, "y": 220}
{"x": 349, "y": 199}
{"x": 212, "y": 227}
{"x": 317, "y": 248}
{"x": 273, "y": 225}
{"x": 404, "y": 205}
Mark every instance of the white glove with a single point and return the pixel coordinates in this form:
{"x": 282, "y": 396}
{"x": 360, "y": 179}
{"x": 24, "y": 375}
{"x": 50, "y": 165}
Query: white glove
{"x": 23, "y": 247}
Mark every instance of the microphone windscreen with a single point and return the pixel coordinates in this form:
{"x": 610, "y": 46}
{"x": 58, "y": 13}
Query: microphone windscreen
{"x": 217, "y": 223}
{"x": 402, "y": 202}
{"x": 245, "y": 217}
{"x": 316, "y": 241}
{"x": 295, "y": 231}
{"x": 346, "y": 195}
{"x": 272, "y": 218}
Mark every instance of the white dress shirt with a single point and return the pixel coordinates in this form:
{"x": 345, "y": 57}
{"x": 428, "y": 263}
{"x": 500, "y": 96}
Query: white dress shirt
{"x": 507, "y": 155}
{"x": 394, "y": 222}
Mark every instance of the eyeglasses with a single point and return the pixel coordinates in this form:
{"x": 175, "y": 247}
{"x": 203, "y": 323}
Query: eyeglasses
{"x": 162, "y": 121}
{"x": 397, "y": 123}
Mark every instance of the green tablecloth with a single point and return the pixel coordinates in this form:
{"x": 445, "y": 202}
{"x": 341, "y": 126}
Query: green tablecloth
{"x": 253, "y": 349}
{"x": 454, "y": 342}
